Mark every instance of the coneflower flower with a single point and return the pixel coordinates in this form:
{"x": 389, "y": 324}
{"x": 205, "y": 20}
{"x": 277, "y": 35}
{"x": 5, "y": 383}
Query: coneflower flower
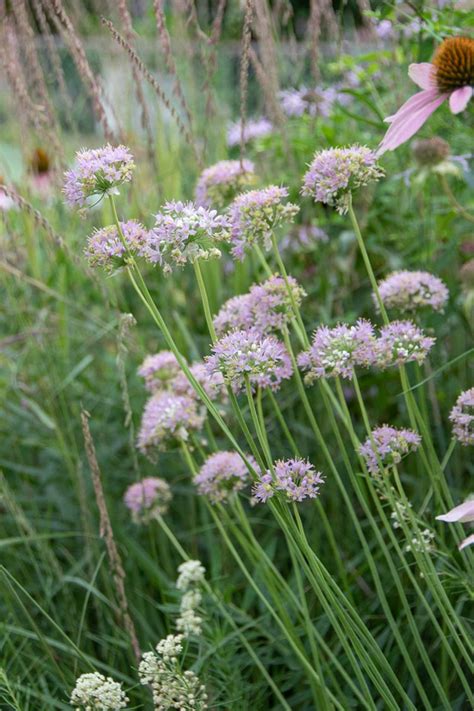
{"x": 106, "y": 249}
{"x": 296, "y": 478}
{"x": 408, "y": 291}
{"x": 167, "y": 421}
{"x": 95, "y": 691}
{"x": 147, "y": 499}
{"x": 221, "y": 475}
{"x": 464, "y": 513}
{"x": 100, "y": 172}
{"x": 220, "y": 183}
{"x": 450, "y": 76}
{"x": 388, "y": 445}
{"x": 462, "y": 417}
{"x": 158, "y": 370}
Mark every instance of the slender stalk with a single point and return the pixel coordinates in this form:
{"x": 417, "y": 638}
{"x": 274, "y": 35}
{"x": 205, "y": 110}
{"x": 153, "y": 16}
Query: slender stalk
{"x": 205, "y": 300}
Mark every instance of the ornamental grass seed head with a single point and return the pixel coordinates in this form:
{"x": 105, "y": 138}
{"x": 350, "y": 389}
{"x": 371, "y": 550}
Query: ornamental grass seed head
{"x": 222, "y": 475}
{"x": 409, "y": 291}
{"x": 106, "y": 249}
{"x": 168, "y": 421}
{"x": 297, "y": 479}
{"x": 97, "y": 172}
{"x": 462, "y": 418}
{"x": 148, "y": 499}
{"x": 220, "y": 183}
{"x": 95, "y": 691}
{"x": 239, "y": 355}
{"x": 334, "y": 173}
{"x": 387, "y": 446}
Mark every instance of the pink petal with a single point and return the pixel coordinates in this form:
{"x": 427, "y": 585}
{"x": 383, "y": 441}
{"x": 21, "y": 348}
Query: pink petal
{"x": 423, "y": 74}
{"x": 459, "y": 99}
{"x": 462, "y": 513}
{"x": 466, "y": 542}
{"x": 410, "y": 118}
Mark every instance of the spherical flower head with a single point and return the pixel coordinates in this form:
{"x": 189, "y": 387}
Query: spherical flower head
{"x": 95, "y": 691}
{"x": 402, "y": 342}
{"x": 171, "y": 646}
{"x": 314, "y": 102}
{"x": 431, "y": 151}
{"x": 191, "y": 572}
{"x": 234, "y": 315}
{"x": 148, "y": 499}
{"x": 253, "y": 129}
{"x": 220, "y": 183}
{"x": 255, "y": 214}
{"x": 335, "y": 352}
{"x": 167, "y": 421}
{"x": 336, "y": 172}
{"x": 159, "y": 370}
{"x": 462, "y": 417}
{"x": 106, "y": 249}
{"x": 270, "y": 303}
{"x": 222, "y": 475}
{"x": 388, "y": 445}
{"x": 264, "y": 360}
{"x": 303, "y": 238}
{"x": 409, "y": 291}
{"x": 99, "y": 171}
{"x": 183, "y": 233}
{"x": 297, "y": 479}
{"x": 212, "y": 383}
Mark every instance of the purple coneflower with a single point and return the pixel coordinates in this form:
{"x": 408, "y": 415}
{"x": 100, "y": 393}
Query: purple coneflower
{"x": 334, "y": 173}
{"x": 167, "y": 420}
{"x": 106, "y": 249}
{"x": 220, "y": 183}
{"x": 182, "y": 233}
{"x": 99, "y": 171}
{"x": 449, "y": 76}
{"x": 264, "y": 360}
{"x": 296, "y": 478}
{"x": 221, "y": 475}
{"x": 462, "y": 417}
{"x": 388, "y": 445}
{"x": 147, "y": 499}
{"x": 158, "y": 370}
{"x": 255, "y": 214}
{"x": 336, "y": 351}
{"x": 402, "y": 342}
{"x": 408, "y": 291}
{"x": 464, "y": 513}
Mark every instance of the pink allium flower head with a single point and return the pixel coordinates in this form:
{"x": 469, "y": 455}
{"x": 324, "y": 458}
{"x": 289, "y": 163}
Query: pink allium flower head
{"x": 99, "y": 171}
{"x": 255, "y": 214}
{"x": 254, "y": 128}
{"x": 462, "y": 417}
{"x": 336, "y": 172}
{"x": 183, "y": 233}
{"x": 450, "y": 75}
{"x": 158, "y": 370}
{"x": 220, "y": 183}
{"x": 388, "y": 446}
{"x": 270, "y": 303}
{"x": 240, "y": 354}
{"x": 234, "y": 315}
{"x": 464, "y": 513}
{"x": 148, "y": 499}
{"x": 336, "y": 351}
{"x": 402, "y": 342}
{"x": 384, "y": 30}
{"x": 213, "y": 383}
{"x": 315, "y": 102}
{"x": 168, "y": 420}
{"x": 222, "y": 474}
{"x": 296, "y": 478}
{"x": 303, "y": 238}
{"x": 409, "y": 291}
{"x": 106, "y": 249}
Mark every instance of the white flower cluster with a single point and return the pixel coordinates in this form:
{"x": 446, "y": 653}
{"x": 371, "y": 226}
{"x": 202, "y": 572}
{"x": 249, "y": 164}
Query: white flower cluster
{"x": 400, "y": 515}
{"x": 95, "y": 691}
{"x": 422, "y": 543}
{"x": 190, "y": 572}
{"x": 191, "y": 575}
{"x": 172, "y": 687}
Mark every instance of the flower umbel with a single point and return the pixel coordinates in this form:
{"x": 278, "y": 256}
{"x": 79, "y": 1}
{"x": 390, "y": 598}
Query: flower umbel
{"x": 191, "y": 572}
{"x": 95, "y": 691}
{"x": 221, "y": 475}
{"x": 388, "y": 445}
{"x": 220, "y": 183}
{"x": 462, "y": 417}
{"x": 147, "y": 499}
{"x": 167, "y": 420}
{"x": 402, "y": 342}
{"x": 409, "y": 291}
{"x": 98, "y": 171}
{"x": 296, "y": 478}
{"x": 158, "y": 370}
{"x": 106, "y": 249}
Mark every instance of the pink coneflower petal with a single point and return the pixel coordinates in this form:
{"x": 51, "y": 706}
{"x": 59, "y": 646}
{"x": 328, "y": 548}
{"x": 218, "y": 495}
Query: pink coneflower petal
{"x": 423, "y": 74}
{"x": 459, "y": 99}
{"x": 406, "y": 123}
{"x": 414, "y": 103}
{"x": 460, "y": 514}
{"x": 466, "y": 542}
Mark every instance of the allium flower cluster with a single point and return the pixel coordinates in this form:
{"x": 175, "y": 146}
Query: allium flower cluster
{"x": 408, "y": 291}
{"x": 337, "y": 351}
{"x": 147, "y": 499}
{"x": 106, "y": 249}
{"x": 255, "y": 214}
{"x": 220, "y": 183}
{"x": 254, "y": 128}
{"x": 336, "y": 172}
{"x": 212, "y": 383}
{"x": 402, "y": 342}
{"x": 97, "y": 172}
{"x": 221, "y": 475}
{"x": 388, "y": 445}
{"x": 158, "y": 370}
{"x": 183, "y": 233}
{"x": 191, "y": 573}
{"x": 234, "y": 315}
{"x": 264, "y": 360}
{"x": 303, "y": 238}
{"x": 314, "y": 102}
{"x": 296, "y": 478}
{"x": 95, "y": 691}
{"x": 167, "y": 420}
{"x": 462, "y": 417}
{"x": 172, "y": 688}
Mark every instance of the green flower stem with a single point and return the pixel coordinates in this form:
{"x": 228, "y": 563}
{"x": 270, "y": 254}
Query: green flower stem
{"x": 263, "y": 262}
{"x": 448, "y": 454}
{"x": 301, "y": 331}
{"x": 282, "y": 421}
{"x": 256, "y": 423}
{"x": 205, "y": 300}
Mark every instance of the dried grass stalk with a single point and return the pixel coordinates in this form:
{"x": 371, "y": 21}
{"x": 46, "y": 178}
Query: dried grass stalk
{"x": 244, "y": 72}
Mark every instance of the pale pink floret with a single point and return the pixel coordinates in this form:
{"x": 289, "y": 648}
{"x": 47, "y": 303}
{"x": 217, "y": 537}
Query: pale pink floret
{"x": 464, "y": 513}
{"x": 412, "y": 115}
